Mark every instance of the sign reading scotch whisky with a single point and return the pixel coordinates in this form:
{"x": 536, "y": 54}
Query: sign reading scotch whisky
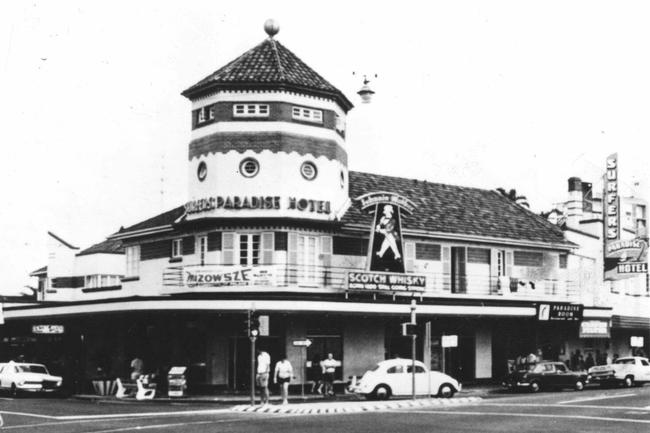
{"x": 382, "y": 281}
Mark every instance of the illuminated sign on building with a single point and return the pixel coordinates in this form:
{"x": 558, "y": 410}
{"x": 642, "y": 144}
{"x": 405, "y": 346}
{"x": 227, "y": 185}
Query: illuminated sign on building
{"x": 624, "y": 258}
{"x": 554, "y": 312}
{"x": 380, "y": 281}
{"x": 256, "y": 202}
{"x": 48, "y": 329}
{"x": 594, "y": 329}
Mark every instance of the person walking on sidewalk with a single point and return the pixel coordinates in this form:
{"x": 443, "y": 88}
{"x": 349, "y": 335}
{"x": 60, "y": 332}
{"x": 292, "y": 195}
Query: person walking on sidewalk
{"x": 329, "y": 367}
{"x": 263, "y": 371}
{"x": 282, "y": 375}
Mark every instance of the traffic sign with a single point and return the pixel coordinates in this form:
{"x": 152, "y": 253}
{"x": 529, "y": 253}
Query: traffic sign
{"x": 450, "y": 341}
{"x": 305, "y": 343}
{"x": 264, "y": 325}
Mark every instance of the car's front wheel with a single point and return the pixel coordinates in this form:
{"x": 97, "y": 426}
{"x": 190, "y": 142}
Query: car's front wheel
{"x": 446, "y": 391}
{"x": 535, "y": 386}
{"x": 381, "y": 392}
{"x": 579, "y": 385}
{"x": 628, "y": 382}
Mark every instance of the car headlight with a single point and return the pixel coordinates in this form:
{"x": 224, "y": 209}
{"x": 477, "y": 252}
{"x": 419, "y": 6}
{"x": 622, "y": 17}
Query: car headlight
{"x": 21, "y": 383}
{"x": 59, "y": 383}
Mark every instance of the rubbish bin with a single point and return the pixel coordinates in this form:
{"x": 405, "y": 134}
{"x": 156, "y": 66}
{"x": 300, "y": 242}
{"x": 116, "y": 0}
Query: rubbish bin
{"x": 176, "y": 382}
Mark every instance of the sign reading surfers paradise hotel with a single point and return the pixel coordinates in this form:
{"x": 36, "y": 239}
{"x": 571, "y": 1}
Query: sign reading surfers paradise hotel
{"x": 385, "y": 264}
{"x": 624, "y": 258}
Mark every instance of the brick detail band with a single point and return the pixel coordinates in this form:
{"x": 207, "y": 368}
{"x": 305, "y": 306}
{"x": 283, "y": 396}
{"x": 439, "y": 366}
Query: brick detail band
{"x": 222, "y": 142}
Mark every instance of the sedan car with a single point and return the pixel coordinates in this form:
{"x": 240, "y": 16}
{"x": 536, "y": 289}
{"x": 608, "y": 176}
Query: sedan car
{"x": 393, "y": 377}
{"x": 18, "y": 377}
{"x": 545, "y": 375}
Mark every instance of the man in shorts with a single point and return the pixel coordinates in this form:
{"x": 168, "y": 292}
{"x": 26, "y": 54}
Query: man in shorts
{"x": 283, "y": 374}
{"x": 262, "y": 378}
{"x": 329, "y": 370}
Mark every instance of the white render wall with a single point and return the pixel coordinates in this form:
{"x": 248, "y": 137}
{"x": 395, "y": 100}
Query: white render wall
{"x": 279, "y": 175}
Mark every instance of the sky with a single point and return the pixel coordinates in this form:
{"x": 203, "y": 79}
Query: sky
{"x": 513, "y": 94}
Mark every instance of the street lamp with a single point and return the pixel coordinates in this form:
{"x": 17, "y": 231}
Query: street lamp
{"x": 366, "y": 92}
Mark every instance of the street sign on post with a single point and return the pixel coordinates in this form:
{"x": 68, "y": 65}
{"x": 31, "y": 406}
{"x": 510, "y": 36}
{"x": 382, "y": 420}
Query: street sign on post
{"x": 450, "y": 341}
{"x": 304, "y": 342}
{"x": 264, "y": 327}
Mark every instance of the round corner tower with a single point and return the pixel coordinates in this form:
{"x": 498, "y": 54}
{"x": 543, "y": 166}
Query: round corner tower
{"x": 268, "y": 139}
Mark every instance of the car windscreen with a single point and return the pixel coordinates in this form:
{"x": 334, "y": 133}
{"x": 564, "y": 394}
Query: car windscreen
{"x": 32, "y": 369}
{"x": 625, "y": 361}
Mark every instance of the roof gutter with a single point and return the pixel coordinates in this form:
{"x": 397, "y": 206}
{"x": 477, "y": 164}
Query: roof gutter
{"x": 568, "y": 245}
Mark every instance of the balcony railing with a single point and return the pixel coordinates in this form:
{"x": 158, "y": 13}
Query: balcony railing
{"x": 201, "y": 278}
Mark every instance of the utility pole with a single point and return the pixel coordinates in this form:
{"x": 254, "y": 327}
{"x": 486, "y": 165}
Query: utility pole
{"x": 252, "y": 334}
{"x": 413, "y": 337}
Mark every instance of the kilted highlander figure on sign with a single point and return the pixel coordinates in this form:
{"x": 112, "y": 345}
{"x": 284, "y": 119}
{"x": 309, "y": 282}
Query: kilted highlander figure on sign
{"x": 386, "y": 251}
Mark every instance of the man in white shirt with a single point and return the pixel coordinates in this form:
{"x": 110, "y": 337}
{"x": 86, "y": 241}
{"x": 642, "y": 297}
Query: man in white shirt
{"x": 263, "y": 371}
{"x": 329, "y": 368}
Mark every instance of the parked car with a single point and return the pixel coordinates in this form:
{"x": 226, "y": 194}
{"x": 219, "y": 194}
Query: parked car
{"x": 393, "y": 377}
{"x": 18, "y": 377}
{"x": 626, "y": 371}
{"x": 545, "y": 375}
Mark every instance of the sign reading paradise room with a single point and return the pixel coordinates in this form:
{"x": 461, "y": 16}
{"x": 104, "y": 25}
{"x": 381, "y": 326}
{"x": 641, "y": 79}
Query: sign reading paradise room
{"x": 624, "y": 258}
{"x": 385, "y": 264}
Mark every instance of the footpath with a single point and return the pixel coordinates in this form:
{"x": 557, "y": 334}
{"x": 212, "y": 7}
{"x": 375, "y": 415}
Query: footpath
{"x": 241, "y": 401}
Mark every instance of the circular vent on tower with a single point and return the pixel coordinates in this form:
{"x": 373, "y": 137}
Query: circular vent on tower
{"x": 202, "y": 171}
{"x": 249, "y": 167}
{"x": 308, "y": 170}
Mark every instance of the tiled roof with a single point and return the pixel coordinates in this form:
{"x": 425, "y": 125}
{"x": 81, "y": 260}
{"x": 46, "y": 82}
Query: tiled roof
{"x": 269, "y": 65}
{"x": 39, "y": 271}
{"x": 455, "y": 210}
{"x": 109, "y": 246}
{"x": 163, "y": 219}
{"x": 439, "y": 208}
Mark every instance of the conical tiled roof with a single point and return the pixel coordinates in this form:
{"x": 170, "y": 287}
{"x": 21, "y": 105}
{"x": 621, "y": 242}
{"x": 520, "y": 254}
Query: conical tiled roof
{"x": 269, "y": 65}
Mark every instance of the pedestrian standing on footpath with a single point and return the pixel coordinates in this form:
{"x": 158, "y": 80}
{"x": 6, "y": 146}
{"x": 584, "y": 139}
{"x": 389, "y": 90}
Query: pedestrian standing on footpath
{"x": 329, "y": 369}
{"x": 137, "y": 368}
{"x": 282, "y": 375}
{"x": 262, "y": 378}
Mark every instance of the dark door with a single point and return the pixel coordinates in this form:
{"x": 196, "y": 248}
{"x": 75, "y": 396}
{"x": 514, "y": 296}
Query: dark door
{"x": 458, "y": 270}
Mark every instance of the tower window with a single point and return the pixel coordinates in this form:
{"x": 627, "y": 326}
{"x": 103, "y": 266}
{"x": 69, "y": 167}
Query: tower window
{"x": 249, "y": 167}
{"x": 201, "y": 118}
{"x": 202, "y": 171}
{"x": 250, "y": 110}
{"x": 307, "y": 114}
{"x": 211, "y": 111}
{"x": 177, "y": 248}
{"x": 342, "y": 179}
{"x": 308, "y": 170}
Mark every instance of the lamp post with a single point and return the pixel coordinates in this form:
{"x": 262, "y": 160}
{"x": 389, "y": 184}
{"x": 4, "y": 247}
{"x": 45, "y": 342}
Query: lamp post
{"x": 413, "y": 337}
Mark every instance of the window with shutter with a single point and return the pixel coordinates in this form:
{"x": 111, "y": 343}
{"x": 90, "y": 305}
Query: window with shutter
{"x": 228, "y": 248}
{"x": 267, "y": 248}
{"x": 425, "y": 251}
{"x": 292, "y": 257}
{"x": 446, "y": 267}
{"x": 409, "y": 256}
{"x": 326, "y": 248}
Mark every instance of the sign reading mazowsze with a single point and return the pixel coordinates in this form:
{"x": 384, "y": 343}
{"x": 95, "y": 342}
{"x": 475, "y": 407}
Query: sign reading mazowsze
{"x": 197, "y": 277}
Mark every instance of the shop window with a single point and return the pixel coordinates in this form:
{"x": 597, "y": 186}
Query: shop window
{"x": 563, "y": 261}
{"x": 132, "y": 261}
{"x": 425, "y": 251}
{"x": 307, "y": 114}
{"x": 177, "y": 248}
{"x": 250, "y": 110}
{"x": 528, "y": 258}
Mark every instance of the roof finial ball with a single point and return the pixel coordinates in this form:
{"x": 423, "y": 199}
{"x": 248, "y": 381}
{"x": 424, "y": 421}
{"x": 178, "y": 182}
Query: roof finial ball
{"x": 271, "y": 27}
